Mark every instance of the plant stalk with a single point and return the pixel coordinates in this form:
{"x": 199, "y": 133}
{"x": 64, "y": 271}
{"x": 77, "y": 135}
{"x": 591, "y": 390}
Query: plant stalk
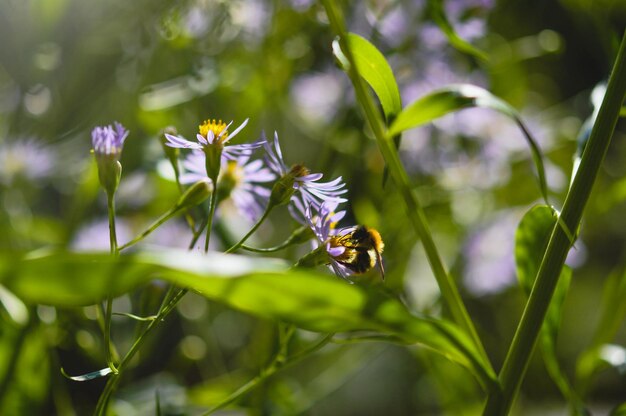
{"x": 519, "y": 354}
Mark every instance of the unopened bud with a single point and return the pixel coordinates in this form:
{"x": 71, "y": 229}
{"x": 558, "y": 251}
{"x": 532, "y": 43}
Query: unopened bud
{"x": 196, "y": 194}
{"x": 315, "y": 258}
{"x": 109, "y": 173}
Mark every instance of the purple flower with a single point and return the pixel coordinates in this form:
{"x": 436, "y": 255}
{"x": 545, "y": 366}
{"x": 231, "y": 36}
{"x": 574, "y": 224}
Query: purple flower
{"x": 212, "y": 137}
{"x": 107, "y": 145}
{"x": 322, "y": 223}
{"x": 307, "y": 189}
{"x": 108, "y": 140}
{"x": 240, "y": 179}
{"x": 211, "y": 133}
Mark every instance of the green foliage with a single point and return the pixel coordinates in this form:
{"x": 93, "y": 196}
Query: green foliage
{"x": 373, "y": 67}
{"x": 261, "y": 287}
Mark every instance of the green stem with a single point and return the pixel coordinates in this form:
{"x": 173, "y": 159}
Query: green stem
{"x": 109, "y": 305}
{"x": 197, "y": 233}
{"x": 252, "y": 230}
{"x": 280, "y": 361}
{"x": 112, "y": 232}
{"x": 156, "y": 224}
{"x": 516, "y": 362}
{"x": 212, "y": 206}
{"x": 268, "y": 249}
{"x": 448, "y": 288}
{"x": 114, "y": 379}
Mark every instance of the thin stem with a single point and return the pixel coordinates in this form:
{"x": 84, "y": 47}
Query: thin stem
{"x": 448, "y": 288}
{"x": 108, "y": 310}
{"x": 112, "y": 232}
{"x": 114, "y": 379}
{"x": 280, "y": 361}
{"x": 156, "y": 224}
{"x": 252, "y": 230}
{"x": 268, "y": 249}
{"x": 198, "y": 233}
{"x": 212, "y": 206}
{"x": 516, "y": 362}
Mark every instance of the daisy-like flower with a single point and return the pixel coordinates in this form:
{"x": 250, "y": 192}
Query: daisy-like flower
{"x": 298, "y": 185}
{"x": 322, "y": 224}
{"x": 108, "y": 142}
{"x": 349, "y": 250}
{"x": 212, "y": 138}
{"x": 240, "y": 179}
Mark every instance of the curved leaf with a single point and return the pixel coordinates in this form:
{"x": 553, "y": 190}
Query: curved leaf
{"x": 458, "y": 97}
{"x": 263, "y": 287}
{"x": 437, "y": 13}
{"x": 373, "y": 67}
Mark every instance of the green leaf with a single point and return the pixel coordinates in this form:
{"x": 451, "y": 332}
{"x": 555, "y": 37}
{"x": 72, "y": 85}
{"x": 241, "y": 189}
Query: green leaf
{"x": 437, "y": 13}
{"x": 458, "y": 97}
{"x": 531, "y": 241}
{"x": 373, "y": 67}
{"x": 265, "y": 288}
{"x": 89, "y": 376}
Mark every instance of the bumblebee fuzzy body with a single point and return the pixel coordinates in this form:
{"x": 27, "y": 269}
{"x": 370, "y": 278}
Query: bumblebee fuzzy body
{"x": 363, "y": 248}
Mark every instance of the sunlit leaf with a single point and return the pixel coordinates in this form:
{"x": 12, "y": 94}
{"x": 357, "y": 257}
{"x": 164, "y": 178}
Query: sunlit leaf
{"x": 373, "y": 67}
{"x": 262, "y": 287}
{"x": 458, "y": 97}
{"x": 89, "y": 376}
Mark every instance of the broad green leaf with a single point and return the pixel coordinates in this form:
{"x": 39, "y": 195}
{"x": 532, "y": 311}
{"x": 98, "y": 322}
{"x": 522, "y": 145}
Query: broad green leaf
{"x": 458, "y": 97}
{"x": 263, "y": 287}
{"x": 373, "y": 67}
{"x": 437, "y": 13}
{"x": 531, "y": 241}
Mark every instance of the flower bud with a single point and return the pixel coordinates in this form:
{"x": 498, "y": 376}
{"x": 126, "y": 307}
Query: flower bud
{"x": 109, "y": 173}
{"x": 315, "y": 258}
{"x": 196, "y": 194}
{"x": 107, "y": 145}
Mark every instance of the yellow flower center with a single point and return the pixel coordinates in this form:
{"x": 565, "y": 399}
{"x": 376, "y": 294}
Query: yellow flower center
{"x": 216, "y": 127}
{"x": 299, "y": 170}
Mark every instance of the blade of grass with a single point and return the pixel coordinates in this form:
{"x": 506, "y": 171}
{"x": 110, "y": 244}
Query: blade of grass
{"x": 525, "y": 339}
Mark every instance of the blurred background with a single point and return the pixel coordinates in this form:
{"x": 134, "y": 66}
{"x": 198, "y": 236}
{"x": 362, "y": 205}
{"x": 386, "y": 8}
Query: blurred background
{"x": 67, "y": 66}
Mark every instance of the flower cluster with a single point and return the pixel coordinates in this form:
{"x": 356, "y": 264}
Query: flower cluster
{"x": 229, "y": 171}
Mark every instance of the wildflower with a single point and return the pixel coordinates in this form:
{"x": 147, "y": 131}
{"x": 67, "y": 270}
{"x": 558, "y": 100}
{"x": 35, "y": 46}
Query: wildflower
{"x": 108, "y": 142}
{"x": 298, "y": 179}
{"x": 212, "y": 137}
{"x": 322, "y": 226}
{"x": 349, "y": 250}
{"x": 240, "y": 179}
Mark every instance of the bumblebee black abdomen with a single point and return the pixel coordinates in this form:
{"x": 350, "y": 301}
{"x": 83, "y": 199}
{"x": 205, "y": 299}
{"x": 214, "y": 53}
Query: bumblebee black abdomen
{"x": 361, "y": 261}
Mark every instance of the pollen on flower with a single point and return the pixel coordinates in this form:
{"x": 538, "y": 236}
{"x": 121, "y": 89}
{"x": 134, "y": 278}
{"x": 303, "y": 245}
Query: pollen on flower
{"x": 299, "y": 171}
{"x": 217, "y": 127}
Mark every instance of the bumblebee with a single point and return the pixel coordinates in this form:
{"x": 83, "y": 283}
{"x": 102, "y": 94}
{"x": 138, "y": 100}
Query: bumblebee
{"x": 363, "y": 249}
